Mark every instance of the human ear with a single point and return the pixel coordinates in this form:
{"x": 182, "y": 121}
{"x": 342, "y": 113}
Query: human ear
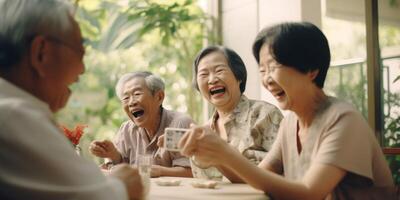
{"x": 313, "y": 74}
{"x": 39, "y": 54}
{"x": 160, "y": 96}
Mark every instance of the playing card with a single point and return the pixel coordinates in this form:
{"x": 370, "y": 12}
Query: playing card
{"x": 172, "y": 137}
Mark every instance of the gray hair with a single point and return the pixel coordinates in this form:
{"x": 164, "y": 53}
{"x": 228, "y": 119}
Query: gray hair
{"x": 153, "y": 82}
{"x": 21, "y": 20}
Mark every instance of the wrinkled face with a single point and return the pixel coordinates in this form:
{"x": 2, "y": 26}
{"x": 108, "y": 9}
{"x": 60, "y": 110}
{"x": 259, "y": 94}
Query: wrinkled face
{"x": 216, "y": 81}
{"x": 61, "y": 64}
{"x": 142, "y": 107}
{"x": 285, "y": 83}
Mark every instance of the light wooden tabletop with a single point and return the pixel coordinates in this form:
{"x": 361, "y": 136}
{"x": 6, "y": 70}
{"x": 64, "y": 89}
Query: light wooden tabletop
{"x": 223, "y": 191}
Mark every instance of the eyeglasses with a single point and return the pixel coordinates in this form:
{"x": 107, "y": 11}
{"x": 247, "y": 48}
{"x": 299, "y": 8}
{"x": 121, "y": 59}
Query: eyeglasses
{"x": 270, "y": 68}
{"x": 80, "y": 52}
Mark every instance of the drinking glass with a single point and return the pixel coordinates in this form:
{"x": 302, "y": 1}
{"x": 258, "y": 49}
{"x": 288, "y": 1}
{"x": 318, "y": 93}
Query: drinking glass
{"x": 144, "y": 162}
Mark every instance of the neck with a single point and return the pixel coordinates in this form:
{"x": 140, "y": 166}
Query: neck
{"x": 308, "y": 107}
{"x": 153, "y": 127}
{"x": 25, "y": 78}
{"x": 21, "y": 77}
{"x": 224, "y": 112}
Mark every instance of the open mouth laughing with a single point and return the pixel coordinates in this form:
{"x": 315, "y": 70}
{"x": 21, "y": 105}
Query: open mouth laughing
{"x": 137, "y": 113}
{"x": 217, "y": 90}
{"x": 278, "y": 93}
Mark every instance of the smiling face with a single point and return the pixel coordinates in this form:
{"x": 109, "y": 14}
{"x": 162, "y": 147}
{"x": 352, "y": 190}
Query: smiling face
{"x": 142, "y": 107}
{"x": 216, "y": 81}
{"x": 286, "y": 84}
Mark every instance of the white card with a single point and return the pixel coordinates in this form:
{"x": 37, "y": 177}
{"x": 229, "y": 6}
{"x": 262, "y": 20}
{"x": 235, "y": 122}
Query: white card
{"x": 172, "y": 137}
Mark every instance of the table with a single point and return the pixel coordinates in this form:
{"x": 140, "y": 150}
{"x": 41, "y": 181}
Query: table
{"x": 223, "y": 191}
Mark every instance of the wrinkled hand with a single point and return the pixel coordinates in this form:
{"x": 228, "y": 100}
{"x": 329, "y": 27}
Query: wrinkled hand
{"x": 156, "y": 171}
{"x": 131, "y": 178}
{"x": 105, "y": 149}
{"x": 205, "y": 145}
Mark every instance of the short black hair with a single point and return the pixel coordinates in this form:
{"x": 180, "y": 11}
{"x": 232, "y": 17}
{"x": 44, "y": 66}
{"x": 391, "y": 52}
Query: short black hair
{"x": 10, "y": 54}
{"x": 235, "y": 63}
{"x": 299, "y": 45}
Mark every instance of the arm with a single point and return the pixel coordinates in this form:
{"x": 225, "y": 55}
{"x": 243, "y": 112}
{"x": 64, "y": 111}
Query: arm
{"x": 319, "y": 180}
{"x": 178, "y": 171}
{"x": 229, "y": 174}
{"x": 317, "y": 183}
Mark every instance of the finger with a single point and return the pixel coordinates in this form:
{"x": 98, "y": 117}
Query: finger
{"x": 189, "y": 144}
{"x": 106, "y": 144}
{"x": 183, "y": 139}
{"x": 98, "y": 149}
{"x": 98, "y": 154}
{"x": 99, "y": 144}
{"x": 160, "y": 141}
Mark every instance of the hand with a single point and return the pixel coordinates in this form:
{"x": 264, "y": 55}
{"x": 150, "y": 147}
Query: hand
{"x": 203, "y": 143}
{"x": 131, "y": 178}
{"x": 160, "y": 141}
{"x": 105, "y": 149}
{"x": 156, "y": 171}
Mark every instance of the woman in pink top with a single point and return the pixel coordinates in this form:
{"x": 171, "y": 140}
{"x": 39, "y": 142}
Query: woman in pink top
{"x": 324, "y": 148}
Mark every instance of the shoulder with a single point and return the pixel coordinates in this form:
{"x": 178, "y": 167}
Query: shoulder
{"x": 340, "y": 106}
{"x": 127, "y": 127}
{"x": 17, "y": 109}
{"x": 178, "y": 119}
{"x": 344, "y": 122}
{"x": 263, "y": 109}
{"x": 338, "y": 110}
{"x": 263, "y": 105}
{"x": 21, "y": 119}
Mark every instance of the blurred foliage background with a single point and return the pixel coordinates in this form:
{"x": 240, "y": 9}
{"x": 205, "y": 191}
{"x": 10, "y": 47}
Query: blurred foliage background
{"x": 125, "y": 36}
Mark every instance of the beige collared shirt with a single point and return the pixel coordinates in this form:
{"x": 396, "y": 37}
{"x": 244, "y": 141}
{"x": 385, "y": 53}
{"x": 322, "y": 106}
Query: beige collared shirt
{"x": 132, "y": 140}
{"x": 251, "y": 129}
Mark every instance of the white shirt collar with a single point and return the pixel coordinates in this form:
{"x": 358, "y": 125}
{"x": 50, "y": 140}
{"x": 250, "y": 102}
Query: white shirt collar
{"x": 9, "y": 90}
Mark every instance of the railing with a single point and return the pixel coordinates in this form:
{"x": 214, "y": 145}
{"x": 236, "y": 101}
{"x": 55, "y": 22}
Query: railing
{"x": 361, "y": 62}
{"x": 386, "y": 72}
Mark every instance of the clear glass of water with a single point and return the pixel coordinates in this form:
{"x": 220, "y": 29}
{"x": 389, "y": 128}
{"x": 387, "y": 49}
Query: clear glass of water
{"x": 144, "y": 162}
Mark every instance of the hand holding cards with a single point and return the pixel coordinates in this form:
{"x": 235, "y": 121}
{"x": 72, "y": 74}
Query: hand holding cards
{"x": 172, "y": 137}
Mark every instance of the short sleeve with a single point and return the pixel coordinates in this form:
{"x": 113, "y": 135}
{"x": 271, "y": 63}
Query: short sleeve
{"x": 347, "y": 144}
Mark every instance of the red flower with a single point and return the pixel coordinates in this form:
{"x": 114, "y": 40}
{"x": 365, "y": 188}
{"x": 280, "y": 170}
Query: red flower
{"x": 73, "y": 135}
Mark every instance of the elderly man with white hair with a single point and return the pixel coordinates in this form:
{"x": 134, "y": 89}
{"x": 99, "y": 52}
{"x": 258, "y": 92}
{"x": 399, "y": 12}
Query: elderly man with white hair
{"x": 41, "y": 55}
{"x": 142, "y": 95}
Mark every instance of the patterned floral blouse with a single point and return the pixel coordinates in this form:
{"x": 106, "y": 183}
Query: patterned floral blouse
{"x": 251, "y": 129}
